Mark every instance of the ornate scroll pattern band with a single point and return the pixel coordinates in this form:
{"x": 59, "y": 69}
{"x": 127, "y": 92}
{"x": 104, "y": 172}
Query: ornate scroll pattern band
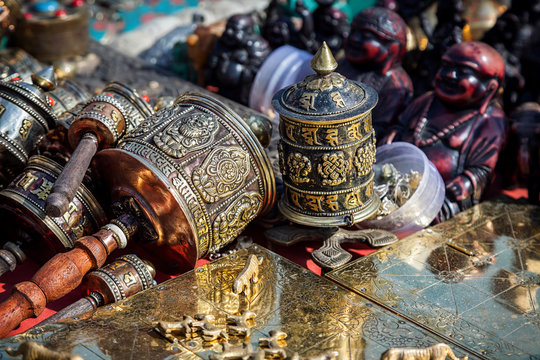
{"x": 152, "y": 154}
{"x": 232, "y": 221}
{"x": 223, "y": 172}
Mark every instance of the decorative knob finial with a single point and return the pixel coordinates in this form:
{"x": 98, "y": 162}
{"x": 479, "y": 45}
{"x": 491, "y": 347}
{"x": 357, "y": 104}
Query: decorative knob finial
{"x": 45, "y": 79}
{"x": 323, "y": 63}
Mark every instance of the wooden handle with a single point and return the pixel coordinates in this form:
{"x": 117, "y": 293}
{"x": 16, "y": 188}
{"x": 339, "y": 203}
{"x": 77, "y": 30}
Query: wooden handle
{"x": 63, "y": 273}
{"x": 70, "y": 179}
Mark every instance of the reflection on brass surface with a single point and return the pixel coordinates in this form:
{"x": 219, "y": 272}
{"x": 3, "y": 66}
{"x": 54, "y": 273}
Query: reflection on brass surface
{"x": 329, "y": 355}
{"x": 249, "y": 275}
{"x": 487, "y": 303}
{"x": 34, "y": 351}
{"x": 317, "y": 315}
{"x": 327, "y": 147}
{"x": 435, "y": 352}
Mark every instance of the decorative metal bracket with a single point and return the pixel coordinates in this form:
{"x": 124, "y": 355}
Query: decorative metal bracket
{"x": 330, "y": 255}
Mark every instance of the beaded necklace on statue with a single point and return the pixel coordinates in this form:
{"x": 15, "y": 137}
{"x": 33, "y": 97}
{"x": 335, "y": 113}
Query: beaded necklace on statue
{"x": 418, "y": 141}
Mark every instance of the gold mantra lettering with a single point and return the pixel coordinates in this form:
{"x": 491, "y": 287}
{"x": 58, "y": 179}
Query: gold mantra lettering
{"x": 353, "y": 132}
{"x": 354, "y": 199}
{"x": 332, "y": 137}
{"x": 314, "y": 202}
{"x": 98, "y": 107}
{"x": 308, "y": 100}
{"x": 129, "y": 279}
{"x": 72, "y": 208}
{"x": 116, "y": 117}
{"x": 43, "y": 190}
{"x": 27, "y": 180}
{"x": 114, "y": 266}
{"x": 336, "y": 97}
{"x": 310, "y": 135}
{"x": 327, "y": 203}
{"x": 25, "y": 128}
{"x": 289, "y": 130}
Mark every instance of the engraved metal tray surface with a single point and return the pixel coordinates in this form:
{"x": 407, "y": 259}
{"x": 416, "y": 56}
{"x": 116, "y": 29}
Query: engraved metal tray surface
{"x": 317, "y": 315}
{"x": 486, "y": 302}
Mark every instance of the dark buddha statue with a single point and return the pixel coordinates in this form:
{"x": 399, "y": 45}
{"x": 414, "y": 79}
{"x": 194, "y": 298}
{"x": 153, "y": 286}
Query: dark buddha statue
{"x": 374, "y": 49}
{"x": 236, "y": 58}
{"x": 459, "y": 126}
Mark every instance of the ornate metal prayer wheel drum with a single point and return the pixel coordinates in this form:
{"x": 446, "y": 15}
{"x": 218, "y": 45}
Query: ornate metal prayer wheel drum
{"x": 22, "y": 210}
{"x": 196, "y": 171}
{"x": 25, "y": 116}
{"x": 327, "y": 147}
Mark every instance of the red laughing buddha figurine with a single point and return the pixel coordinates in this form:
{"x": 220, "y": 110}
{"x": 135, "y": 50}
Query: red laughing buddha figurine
{"x": 374, "y": 50}
{"x": 459, "y": 126}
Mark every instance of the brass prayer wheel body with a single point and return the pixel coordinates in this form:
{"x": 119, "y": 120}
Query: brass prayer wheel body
{"x": 327, "y": 147}
{"x": 197, "y": 172}
{"x": 22, "y": 209}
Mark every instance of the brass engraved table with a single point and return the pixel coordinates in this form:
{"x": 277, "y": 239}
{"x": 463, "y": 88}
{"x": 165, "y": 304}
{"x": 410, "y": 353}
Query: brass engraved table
{"x": 487, "y": 302}
{"x": 317, "y": 315}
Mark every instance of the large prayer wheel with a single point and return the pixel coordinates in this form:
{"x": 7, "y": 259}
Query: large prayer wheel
{"x": 327, "y": 147}
{"x": 196, "y": 171}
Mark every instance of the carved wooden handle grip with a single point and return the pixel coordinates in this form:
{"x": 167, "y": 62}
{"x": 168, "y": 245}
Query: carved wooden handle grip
{"x": 63, "y": 273}
{"x": 65, "y": 187}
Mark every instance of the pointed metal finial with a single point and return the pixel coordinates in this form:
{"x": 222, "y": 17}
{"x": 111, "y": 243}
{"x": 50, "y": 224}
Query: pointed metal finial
{"x": 323, "y": 63}
{"x": 45, "y": 79}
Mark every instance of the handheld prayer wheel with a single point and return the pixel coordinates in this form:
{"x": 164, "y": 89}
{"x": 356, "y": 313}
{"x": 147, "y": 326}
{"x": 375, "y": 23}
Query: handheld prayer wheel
{"x": 193, "y": 175}
{"x": 327, "y": 147}
{"x": 66, "y": 97}
{"x": 101, "y": 122}
{"x": 25, "y": 116}
{"x": 197, "y": 172}
{"x": 29, "y": 229}
{"x": 18, "y": 61}
{"x": 118, "y": 280}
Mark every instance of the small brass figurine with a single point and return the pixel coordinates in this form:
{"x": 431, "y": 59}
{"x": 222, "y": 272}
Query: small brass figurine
{"x": 435, "y": 352}
{"x": 241, "y": 325}
{"x": 273, "y": 345}
{"x": 234, "y": 352}
{"x": 204, "y": 326}
{"x": 327, "y": 147}
{"x": 34, "y": 351}
{"x": 249, "y": 275}
{"x": 183, "y": 328}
